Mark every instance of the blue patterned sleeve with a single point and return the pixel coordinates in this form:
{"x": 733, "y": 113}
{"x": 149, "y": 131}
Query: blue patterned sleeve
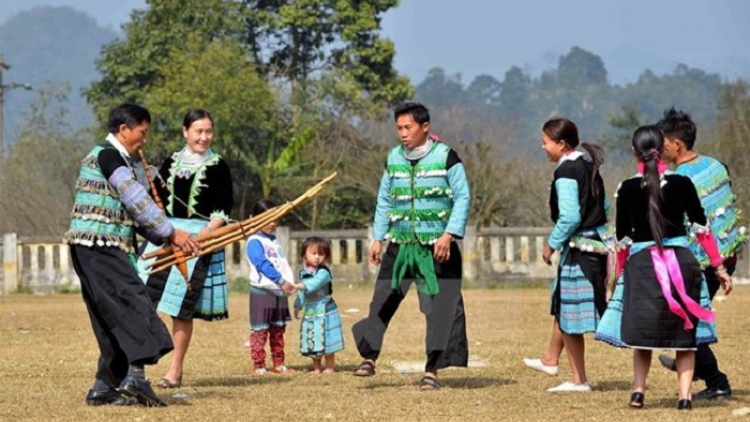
{"x": 570, "y": 212}
{"x": 384, "y": 205}
{"x": 321, "y": 278}
{"x": 299, "y": 301}
{"x": 461, "y": 200}
{"x": 152, "y": 221}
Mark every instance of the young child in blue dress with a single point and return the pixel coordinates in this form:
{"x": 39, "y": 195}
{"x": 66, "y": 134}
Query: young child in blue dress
{"x": 320, "y": 331}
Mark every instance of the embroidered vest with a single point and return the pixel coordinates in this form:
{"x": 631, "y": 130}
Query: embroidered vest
{"x": 275, "y": 254}
{"x": 181, "y": 169}
{"x": 98, "y": 217}
{"x": 422, "y": 198}
{"x": 324, "y": 290}
{"x": 713, "y": 184}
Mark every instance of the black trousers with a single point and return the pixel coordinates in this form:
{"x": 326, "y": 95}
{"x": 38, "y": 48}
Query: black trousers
{"x": 706, "y": 365}
{"x": 445, "y": 343}
{"x": 124, "y": 321}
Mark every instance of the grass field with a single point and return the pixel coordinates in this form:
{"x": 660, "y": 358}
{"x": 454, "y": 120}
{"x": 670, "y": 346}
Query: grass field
{"x": 48, "y": 358}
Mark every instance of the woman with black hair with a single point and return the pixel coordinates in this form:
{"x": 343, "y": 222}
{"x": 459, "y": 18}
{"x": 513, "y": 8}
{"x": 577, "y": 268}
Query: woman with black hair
{"x": 196, "y": 190}
{"x": 579, "y": 210}
{"x": 661, "y": 300}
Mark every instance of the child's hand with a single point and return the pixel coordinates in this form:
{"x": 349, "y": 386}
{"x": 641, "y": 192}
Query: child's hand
{"x": 288, "y": 287}
{"x": 300, "y": 286}
{"x": 296, "y": 313}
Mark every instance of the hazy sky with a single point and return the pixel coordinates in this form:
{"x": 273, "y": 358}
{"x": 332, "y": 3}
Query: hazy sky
{"x": 489, "y": 36}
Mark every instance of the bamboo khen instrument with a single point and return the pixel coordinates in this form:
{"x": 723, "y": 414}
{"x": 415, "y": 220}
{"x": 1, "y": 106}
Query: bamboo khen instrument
{"x": 231, "y": 233}
{"x": 182, "y": 267}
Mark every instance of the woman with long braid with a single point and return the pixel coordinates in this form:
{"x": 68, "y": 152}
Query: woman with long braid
{"x": 661, "y": 300}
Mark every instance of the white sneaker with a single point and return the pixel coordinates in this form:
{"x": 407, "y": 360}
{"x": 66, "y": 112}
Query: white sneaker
{"x": 569, "y": 386}
{"x": 537, "y": 364}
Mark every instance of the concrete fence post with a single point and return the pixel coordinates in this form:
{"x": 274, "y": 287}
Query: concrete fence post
{"x": 10, "y": 263}
{"x": 470, "y": 255}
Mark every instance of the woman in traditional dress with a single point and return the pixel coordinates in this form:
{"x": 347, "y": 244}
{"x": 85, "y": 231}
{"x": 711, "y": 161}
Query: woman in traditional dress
{"x": 196, "y": 191}
{"x": 661, "y": 299}
{"x": 577, "y": 204}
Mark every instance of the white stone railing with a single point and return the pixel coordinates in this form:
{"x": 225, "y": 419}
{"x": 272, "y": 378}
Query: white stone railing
{"x": 490, "y": 255}
{"x": 36, "y": 264}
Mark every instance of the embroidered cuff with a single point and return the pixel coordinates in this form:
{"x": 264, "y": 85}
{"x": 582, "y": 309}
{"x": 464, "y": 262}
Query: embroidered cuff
{"x": 139, "y": 204}
{"x": 707, "y": 240}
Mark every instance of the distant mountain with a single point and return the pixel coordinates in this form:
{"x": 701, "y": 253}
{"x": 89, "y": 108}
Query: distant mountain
{"x": 50, "y": 45}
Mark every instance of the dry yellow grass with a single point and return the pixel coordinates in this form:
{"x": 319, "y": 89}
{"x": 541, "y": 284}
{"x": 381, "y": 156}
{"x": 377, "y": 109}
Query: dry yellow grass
{"x": 48, "y": 357}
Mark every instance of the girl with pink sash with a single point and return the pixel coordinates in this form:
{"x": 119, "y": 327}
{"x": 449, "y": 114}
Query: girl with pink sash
{"x": 661, "y": 300}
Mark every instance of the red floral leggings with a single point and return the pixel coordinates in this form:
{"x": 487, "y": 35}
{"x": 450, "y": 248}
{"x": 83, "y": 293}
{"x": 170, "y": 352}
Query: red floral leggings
{"x": 258, "y": 345}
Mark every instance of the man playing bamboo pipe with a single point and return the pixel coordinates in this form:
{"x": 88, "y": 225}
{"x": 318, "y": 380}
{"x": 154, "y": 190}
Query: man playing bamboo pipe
{"x": 422, "y": 206}
{"x": 110, "y": 206}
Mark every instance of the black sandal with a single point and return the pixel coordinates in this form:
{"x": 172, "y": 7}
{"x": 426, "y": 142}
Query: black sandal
{"x": 365, "y": 369}
{"x": 429, "y": 383}
{"x": 636, "y": 400}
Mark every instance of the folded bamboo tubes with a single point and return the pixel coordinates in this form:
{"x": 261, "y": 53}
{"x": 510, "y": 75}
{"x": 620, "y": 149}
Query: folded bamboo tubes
{"x": 231, "y": 233}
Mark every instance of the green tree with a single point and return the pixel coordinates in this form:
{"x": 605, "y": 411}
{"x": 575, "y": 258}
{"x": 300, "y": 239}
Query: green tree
{"x": 439, "y": 89}
{"x": 623, "y": 123}
{"x": 216, "y": 76}
{"x": 580, "y": 68}
{"x": 129, "y": 66}
{"x": 308, "y": 60}
{"x": 689, "y": 89}
{"x": 484, "y": 90}
{"x": 296, "y": 40}
{"x": 515, "y": 91}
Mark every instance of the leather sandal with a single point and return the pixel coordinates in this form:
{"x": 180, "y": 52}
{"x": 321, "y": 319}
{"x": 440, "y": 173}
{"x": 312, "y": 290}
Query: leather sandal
{"x": 166, "y": 383}
{"x": 429, "y": 383}
{"x": 365, "y": 369}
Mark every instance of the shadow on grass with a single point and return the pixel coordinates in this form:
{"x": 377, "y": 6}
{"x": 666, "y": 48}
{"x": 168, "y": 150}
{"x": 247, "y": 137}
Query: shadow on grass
{"x": 187, "y": 397}
{"x": 471, "y": 383}
{"x": 617, "y": 385}
{"x": 740, "y": 394}
{"x": 465, "y": 383}
{"x": 340, "y": 369}
{"x": 672, "y": 403}
{"x": 239, "y": 381}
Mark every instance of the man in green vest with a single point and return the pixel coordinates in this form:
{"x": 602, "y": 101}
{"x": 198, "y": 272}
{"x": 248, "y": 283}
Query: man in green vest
{"x": 110, "y": 206}
{"x": 422, "y": 208}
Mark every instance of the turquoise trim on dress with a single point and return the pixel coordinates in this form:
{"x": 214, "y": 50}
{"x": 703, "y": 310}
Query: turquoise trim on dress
{"x": 570, "y": 213}
{"x": 609, "y": 327}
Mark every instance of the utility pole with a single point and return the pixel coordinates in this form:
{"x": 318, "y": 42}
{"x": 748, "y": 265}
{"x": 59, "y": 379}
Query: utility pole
{"x": 3, "y": 67}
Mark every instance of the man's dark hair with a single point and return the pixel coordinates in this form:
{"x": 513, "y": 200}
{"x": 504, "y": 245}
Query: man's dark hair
{"x": 131, "y": 115}
{"x": 418, "y": 112}
{"x": 679, "y": 125}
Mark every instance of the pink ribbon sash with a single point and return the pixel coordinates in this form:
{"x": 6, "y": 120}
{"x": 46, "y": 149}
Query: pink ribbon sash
{"x": 668, "y": 272}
